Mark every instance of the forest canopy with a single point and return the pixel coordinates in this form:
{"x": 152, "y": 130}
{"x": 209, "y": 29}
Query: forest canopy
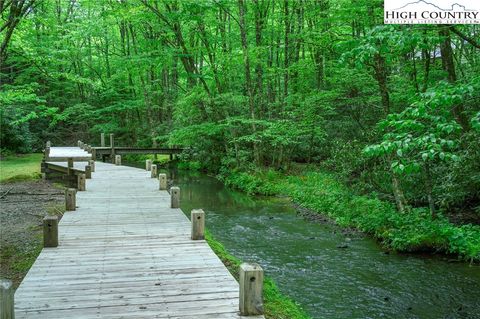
{"x": 392, "y": 109}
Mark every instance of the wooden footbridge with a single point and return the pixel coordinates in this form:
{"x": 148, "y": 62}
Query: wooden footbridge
{"x": 124, "y": 249}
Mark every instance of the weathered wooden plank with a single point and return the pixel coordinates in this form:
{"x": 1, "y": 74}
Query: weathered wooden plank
{"x": 125, "y": 253}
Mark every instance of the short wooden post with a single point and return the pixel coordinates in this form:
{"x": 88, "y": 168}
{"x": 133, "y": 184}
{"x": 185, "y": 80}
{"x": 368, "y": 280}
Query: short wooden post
{"x": 175, "y": 197}
{"x": 79, "y": 143}
{"x": 251, "y": 289}
{"x": 7, "y": 306}
{"x": 162, "y": 181}
{"x": 102, "y": 139}
{"x": 112, "y": 148}
{"x": 47, "y": 153}
{"x": 89, "y": 148}
{"x": 154, "y": 171}
{"x": 198, "y": 224}
{"x": 94, "y": 153}
{"x": 92, "y": 164}
{"x": 81, "y": 182}
{"x": 148, "y": 165}
{"x": 70, "y": 199}
{"x": 88, "y": 172}
{"x": 50, "y": 231}
{"x": 48, "y": 144}
{"x": 118, "y": 159}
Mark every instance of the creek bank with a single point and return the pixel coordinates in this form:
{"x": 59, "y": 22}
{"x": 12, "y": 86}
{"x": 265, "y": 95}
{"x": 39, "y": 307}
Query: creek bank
{"x": 323, "y": 194}
{"x": 276, "y": 305}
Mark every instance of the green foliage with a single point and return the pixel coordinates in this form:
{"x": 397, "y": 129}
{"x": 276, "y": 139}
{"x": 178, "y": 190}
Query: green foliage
{"x": 264, "y": 183}
{"x": 413, "y": 231}
{"x": 20, "y": 109}
{"x": 290, "y": 82}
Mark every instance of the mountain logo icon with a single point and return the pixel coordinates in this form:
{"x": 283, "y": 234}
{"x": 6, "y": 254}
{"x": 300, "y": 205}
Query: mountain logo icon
{"x": 422, "y": 4}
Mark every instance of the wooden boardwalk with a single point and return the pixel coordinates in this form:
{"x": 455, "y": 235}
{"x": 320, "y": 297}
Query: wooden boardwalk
{"x": 124, "y": 253}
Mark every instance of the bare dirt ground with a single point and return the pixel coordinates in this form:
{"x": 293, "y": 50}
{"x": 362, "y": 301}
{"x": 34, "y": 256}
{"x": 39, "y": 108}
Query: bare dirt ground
{"x": 22, "y": 208}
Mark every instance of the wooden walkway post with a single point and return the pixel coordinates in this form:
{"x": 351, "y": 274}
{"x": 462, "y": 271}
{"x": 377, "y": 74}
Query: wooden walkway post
{"x": 81, "y": 182}
{"x": 92, "y": 164}
{"x": 198, "y": 224}
{"x": 70, "y": 199}
{"x": 70, "y": 162}
{"x": 70, "y": 167}
{"x": 47, "y": 153}
{"x": 154, "y": 171}
{"x": 112, "y": 147}
{"x": 118, "y": 160}
{"x": 251, "y": 289}
{"x": 162, "y": 181}
{"x": 148, "y": 165}
{"x": 50, "y": 231}
{"x": 88, "y": 172}
{"x": 7, "y": 309}
{"x": 49, "y": 144}
{"x": 94, "y": 153}
{"x": 175, "y": 197}
{"x": 102, "y": 139}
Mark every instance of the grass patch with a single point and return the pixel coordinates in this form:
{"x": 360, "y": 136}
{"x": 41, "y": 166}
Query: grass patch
{"x": 324, "y": 193}
{"x": 276, "y": 305}
{"x": 161, "y": 160}
{"x": 20, "y": 168}
{"x": 15, "y": 262}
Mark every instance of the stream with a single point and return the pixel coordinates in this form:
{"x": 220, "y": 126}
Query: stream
{"x": 304, "y": 259}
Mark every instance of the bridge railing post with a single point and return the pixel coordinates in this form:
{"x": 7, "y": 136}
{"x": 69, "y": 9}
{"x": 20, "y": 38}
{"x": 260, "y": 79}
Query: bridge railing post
{"x": 197, "y": 218}
{"x": 70, "y": 162}
{"x": 162, "y": 181}
{"x": 118, "y": 160}
{"x": 7, "y": 304}
{"x": 81, "y": 182}
{"x": 88, "y": 171}
{"x": 148, "y": 164}
{"x": 102, "y": 139}
{"x": 50, "y": 231}
{"x": 92, "y": 164}
{"x": 112, "y": 147}
{"x": 153, "y": 171}
{"x": 175, "y": 197}
{"x": 47, "y": 153}
{"x": 251, "y": 289}
{"x": 48, "y": 144}
{"x": 70, "y": 199}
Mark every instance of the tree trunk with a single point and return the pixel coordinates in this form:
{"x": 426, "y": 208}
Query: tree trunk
{"x": 248, "y": 78}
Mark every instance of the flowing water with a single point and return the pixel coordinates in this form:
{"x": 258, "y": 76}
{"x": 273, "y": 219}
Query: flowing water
{"x": 303, "y": 258}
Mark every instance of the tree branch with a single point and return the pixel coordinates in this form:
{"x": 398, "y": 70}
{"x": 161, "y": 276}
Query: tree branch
{"x": 465, "y": 37}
